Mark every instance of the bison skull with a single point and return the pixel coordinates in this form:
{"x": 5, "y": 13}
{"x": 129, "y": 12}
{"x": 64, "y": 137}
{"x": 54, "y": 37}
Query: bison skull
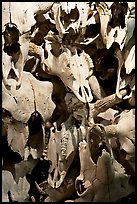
{"x": 73, "y": 69}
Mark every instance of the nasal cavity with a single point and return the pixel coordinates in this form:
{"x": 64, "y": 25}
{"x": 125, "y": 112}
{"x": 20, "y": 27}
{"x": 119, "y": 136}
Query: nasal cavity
{"x": 87, "y": 91}
{"x": 80, "y": 91}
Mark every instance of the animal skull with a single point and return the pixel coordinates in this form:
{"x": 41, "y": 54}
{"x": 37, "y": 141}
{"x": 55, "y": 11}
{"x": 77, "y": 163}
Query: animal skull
{"x": 61, "y": 151}
{"x": 17, "y": 19}
{"x": 73, "y": 69}
{"x": 20, "y": 105}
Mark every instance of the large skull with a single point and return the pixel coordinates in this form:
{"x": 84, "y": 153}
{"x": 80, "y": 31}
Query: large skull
{"x": 20, "y": 105}
{"x": 73, "y": 69}
{"x": 17, "y": 21}
{"x": 61, "y": 151}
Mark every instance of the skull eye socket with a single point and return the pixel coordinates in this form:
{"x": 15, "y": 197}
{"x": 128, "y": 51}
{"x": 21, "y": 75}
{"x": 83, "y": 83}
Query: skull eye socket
{"x": 34, "y": 123}
{"x": 6, "y": 113}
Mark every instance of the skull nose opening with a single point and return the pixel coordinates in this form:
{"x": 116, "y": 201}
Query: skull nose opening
{"x": 85, "y": 89}
{"x": 87, "y": 92}
{"x": 80, "y": 91}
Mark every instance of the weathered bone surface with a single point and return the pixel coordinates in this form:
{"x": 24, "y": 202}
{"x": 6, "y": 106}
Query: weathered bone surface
{"x": 61, "y": 151}
{"x": 23, "y": 20}
{"x": 100, "y": 175}
{"x": 103, "y": 104}
{"x": 73, "y": 69}
{"x": 15, "y": 185}
{"x": 17, "y": 191}
{"x": 123, "y": 129}
{"x": 68, "y": 101}
{"x": 20, "y": 104}
{"x": 28, "y": 99}
{"x": 38, "y": 52}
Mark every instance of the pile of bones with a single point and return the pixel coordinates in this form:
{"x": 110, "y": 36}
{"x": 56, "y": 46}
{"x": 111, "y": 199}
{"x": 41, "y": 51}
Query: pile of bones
{"x": 68, "y": 101}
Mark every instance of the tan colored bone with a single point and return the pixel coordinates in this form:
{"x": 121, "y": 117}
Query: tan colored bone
{"x": 24, "y": 20}
{"x": 104, "y": 15}
{"x": 38, "y": 52}
{"x": 103, "y": 104}
{"x": 61, "y": 151}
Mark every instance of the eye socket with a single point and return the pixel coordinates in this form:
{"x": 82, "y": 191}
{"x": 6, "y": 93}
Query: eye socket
{"x": 6, "y": 115}
{"x": 88, "y": 77}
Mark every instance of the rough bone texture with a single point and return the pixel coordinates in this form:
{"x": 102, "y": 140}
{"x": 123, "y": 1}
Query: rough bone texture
{"x": 68, "y": 101}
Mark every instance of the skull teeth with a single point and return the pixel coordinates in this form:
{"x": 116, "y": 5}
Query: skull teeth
{"x": 64, "y": 146}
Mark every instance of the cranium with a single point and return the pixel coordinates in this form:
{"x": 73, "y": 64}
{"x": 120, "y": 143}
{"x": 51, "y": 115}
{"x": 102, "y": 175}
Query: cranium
{"x": 61, "y": 151}
{"x": 76, "y": 17}
{"x": 20, "y": 105}
{"x": 16, "y": 27}
{"x": 73, "y": 69}
{"x": 76, "y": 14}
